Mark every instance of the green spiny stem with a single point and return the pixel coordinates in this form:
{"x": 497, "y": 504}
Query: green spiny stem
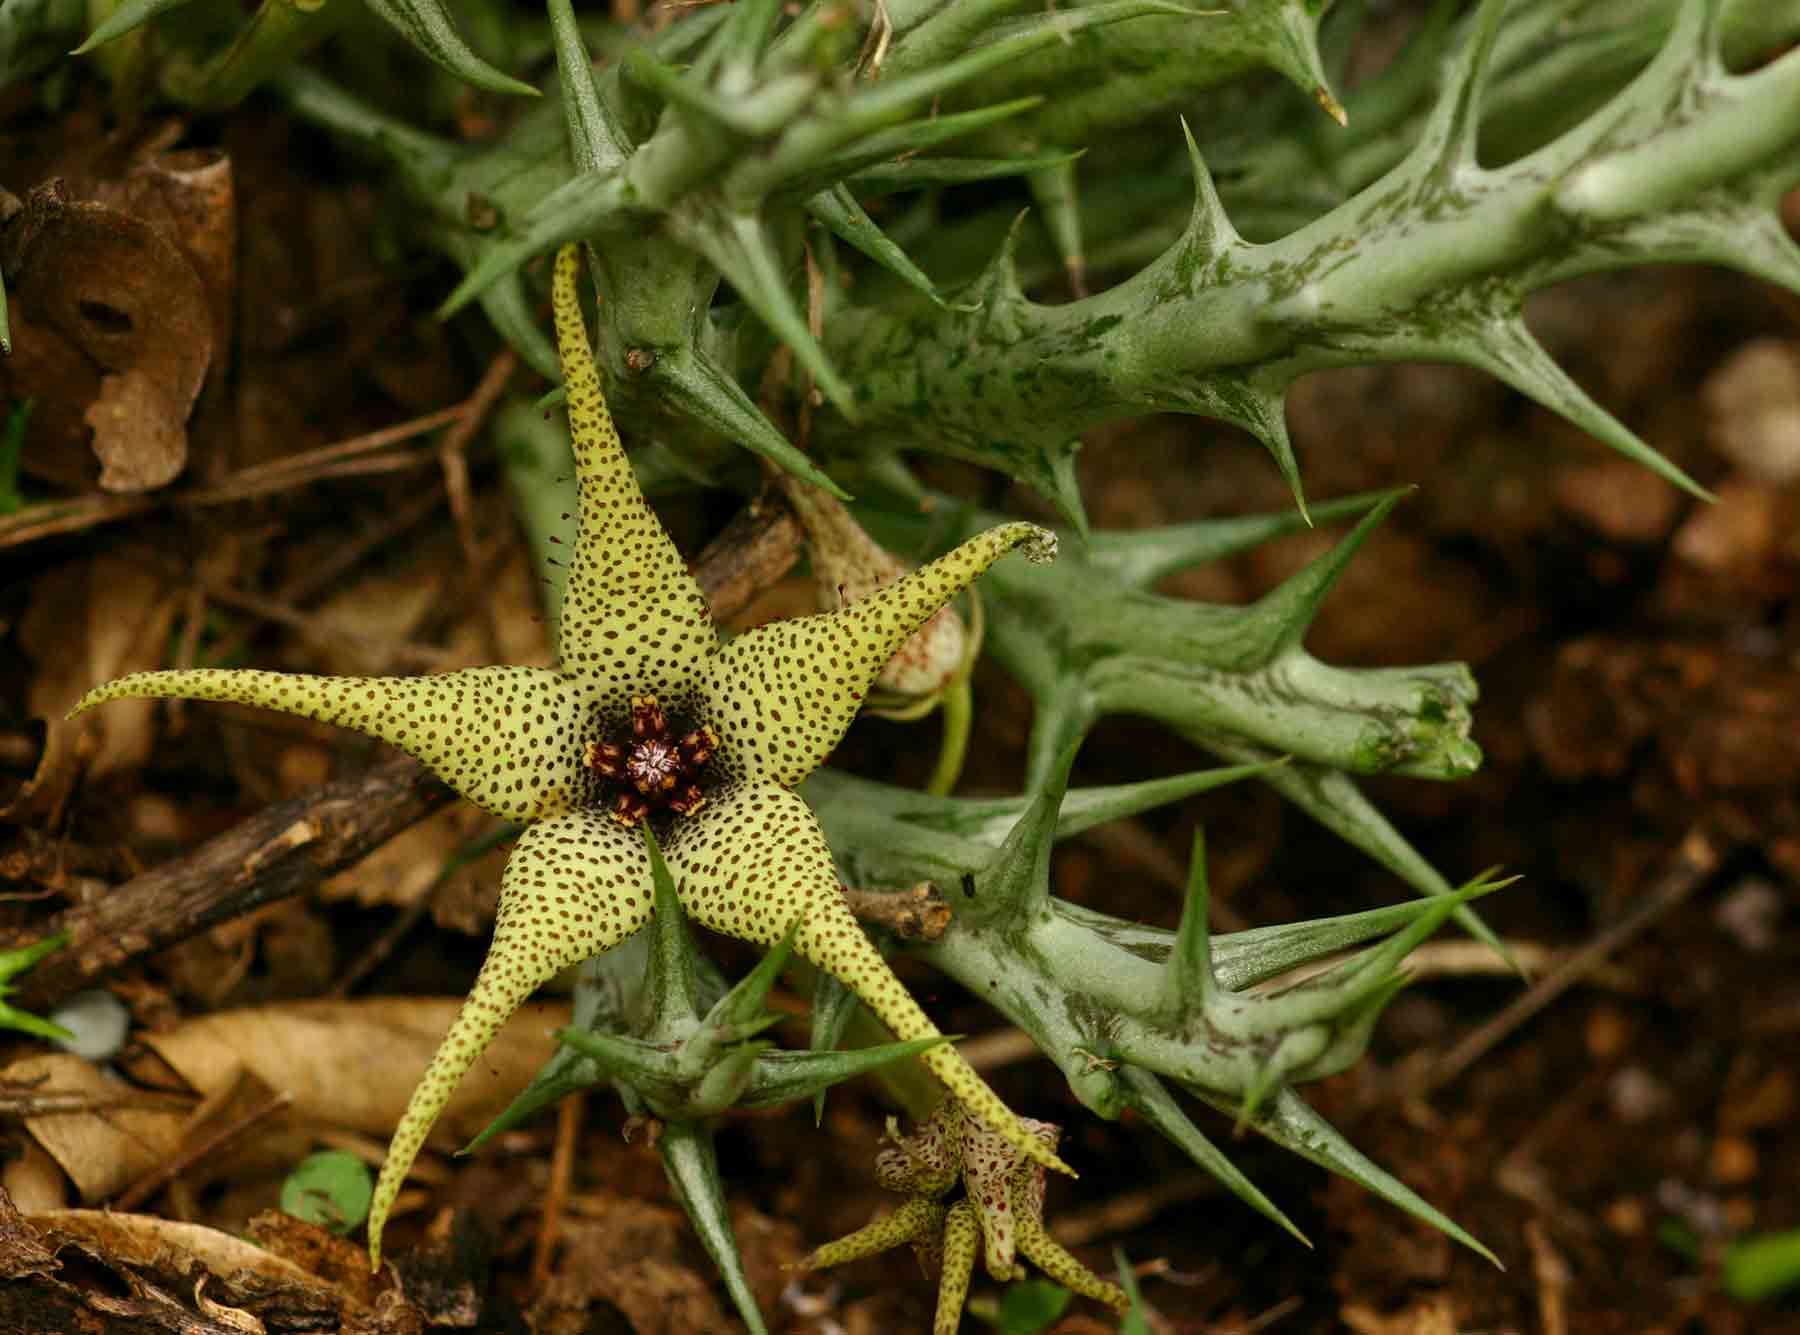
{"x": 1090, "y": 988}
{"x": 1086, "y": 644}
{"x": 1090, "y": 639}
{"x": 1281, "y": 166}
{"x": 277, "y": 33}
{"x": 1111, "y": 78}
{"x": 894, "y": 836}
{"x": 692, "y": 1164}
{"x": 1430, "y": 261}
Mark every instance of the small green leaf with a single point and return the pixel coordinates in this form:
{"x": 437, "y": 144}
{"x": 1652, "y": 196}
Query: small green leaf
{"x": 15, "y": 962}
{"x": 1030, "y": 1306}
{"x": 426, "y": 25}
{"x": 331, "y": 1189}
{"x": 12, "y": 442}
{"x": 1134, "y": 1322}
{"x": 131, "y": 14}
{"x": 1762, "y": 1266}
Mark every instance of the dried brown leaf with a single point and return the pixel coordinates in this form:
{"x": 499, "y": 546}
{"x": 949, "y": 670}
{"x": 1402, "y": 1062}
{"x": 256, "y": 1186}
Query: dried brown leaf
{"x": 1427, "y": 1316}
{"x": 114, "y": 330}
{"x": 629, "y": 1254}
{"x": 147, "y": 1240}
{"x": 353, "y": 1064}
{"x": 343, "y": 1064}
{"x": 104, "y": 1149}
{"x": 90, "y": 622}
{"x": 21, "y": 1253}
{"x": 187, "y": 1278}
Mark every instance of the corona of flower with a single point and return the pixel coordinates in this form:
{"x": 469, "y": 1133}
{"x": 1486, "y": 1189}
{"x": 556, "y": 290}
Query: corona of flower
{"x": 647, "y": 718}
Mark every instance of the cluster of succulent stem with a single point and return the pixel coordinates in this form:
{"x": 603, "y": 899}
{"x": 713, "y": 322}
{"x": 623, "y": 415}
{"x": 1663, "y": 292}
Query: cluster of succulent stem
{"x": 760, "y": 186}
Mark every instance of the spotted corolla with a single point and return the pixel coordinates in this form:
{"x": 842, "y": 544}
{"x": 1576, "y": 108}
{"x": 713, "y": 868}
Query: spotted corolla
{"x": 647, "y": 719}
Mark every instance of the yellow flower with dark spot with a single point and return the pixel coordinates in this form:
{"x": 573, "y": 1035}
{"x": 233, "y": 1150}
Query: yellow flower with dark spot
{"x": 647, "y": 717}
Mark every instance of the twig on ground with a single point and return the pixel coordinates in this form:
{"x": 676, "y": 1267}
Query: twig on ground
{"x": 1000, "y": 1047}
{"x": 917, "y": 914}
{"x": 453, "y": 459}
{"x": 497, "y": 833}
{"x": 759, "y": 546}
{"x": 318, "y": 578}
{"x": 1693, "y": 862}
{"x": 1129, "y": 1210}
{"x": 284, "y": 849}
{"x": 310, "y": 465}
{"x": 556, "y": 1194}
{"x": 403, "y": 653}
{"x": 345, "y": 458}
{"x": 72, "y": 516}
{"x": 148, "y": 1185}
{"x": 1551, "y": 1274}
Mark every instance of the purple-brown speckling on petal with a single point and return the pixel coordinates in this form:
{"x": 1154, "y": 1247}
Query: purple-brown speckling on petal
{"x": 646, "y": 719}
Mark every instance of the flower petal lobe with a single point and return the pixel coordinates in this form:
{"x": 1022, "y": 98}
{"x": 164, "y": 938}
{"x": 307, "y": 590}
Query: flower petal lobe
{"x": 509, "y": 739}
{"x": 783, "y": 694}
{"x": 632, "y": 616}
{"x": 573, "y": 887}
{"x": 752, "y": 862}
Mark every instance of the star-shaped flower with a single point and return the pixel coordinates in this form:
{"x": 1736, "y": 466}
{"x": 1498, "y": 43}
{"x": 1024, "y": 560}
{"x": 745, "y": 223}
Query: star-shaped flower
{"x": 648, "y": 718}
{"x": 1001, "y": 1213}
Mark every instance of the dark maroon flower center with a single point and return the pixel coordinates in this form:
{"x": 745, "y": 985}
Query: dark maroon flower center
{"x": 654, "y": 766}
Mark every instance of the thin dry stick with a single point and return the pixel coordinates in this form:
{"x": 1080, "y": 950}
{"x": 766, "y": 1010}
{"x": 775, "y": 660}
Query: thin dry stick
{"x": 1692, "y": 863}
{"x": 189, "y": 1155}
{"x": 322, "y": 575}
{"x": 286, "y": 848}
{"x": 383, "y": 946}
{"x": 1551, "y": 1274}
{"x": 1266, "y": 1318}
{"x": 317, "y": 579}
{"x": 556, "y": 1195}
{"x": 404, "y": 652}
{"x": 295, "y": 469}
{"x": 54, "y": 517}
{"x": 398, "y": 930}
{"x": 999, "y": 1047}
{"x": 376, "y": 465}
{"x": 1129, "y": 1210}
{"x": 453, "y": 458}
